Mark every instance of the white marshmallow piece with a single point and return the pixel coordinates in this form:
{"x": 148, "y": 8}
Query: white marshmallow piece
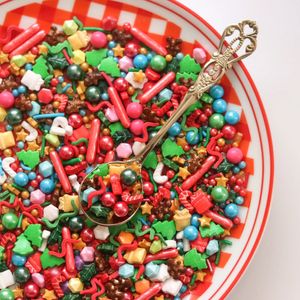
{"x": 171, "y": 286}
{"x": 186, "y": 245}
{"x": 51, "y": 212}
{"x": 162, "y": 274}
{"x": 6, "y": 279}
{"x": 6, "y": 162}
{"x": 33, "y": 134}
{"x": 45, "y": 236}
{"x": 169, "y": 244}
{"x": 138, "y": 147}
{"x": 101, "y": 232}
{"x": 157, "y": 177}
{"x": 74, "y": 182}
{"x": 61, "y": 127}
{"x": 32, "y": 80}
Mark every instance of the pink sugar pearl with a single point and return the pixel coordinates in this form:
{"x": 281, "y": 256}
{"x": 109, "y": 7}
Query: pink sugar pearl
{"x": 136, "y": 127}
{"x": 7, "y": 99}
{"x": 234, "y": 155}
{"x": 134, "y": 110}
{"x": 98, "y": 39}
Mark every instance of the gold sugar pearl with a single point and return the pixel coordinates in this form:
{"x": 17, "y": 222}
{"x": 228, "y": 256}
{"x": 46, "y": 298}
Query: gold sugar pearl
{"x": 84, "y": 66}
{"x": 4, "y": 186}
{"x": 130, "y": 91}
{"x": 32, "y": 97}
{"x": 169, "y": 57}
{"x": 25, "y": 195}
{"x": 143, "y": 50}
{"x": 221, "y": 142}
{"x": 7, "y": 153}
{"x": 35, "y": 212}
{"x": 22, "y": 72}
{"x": 91, "y": 117}
{"x": 56, "y": 104}
{"x": 81, "y": 156}
{"x": 109, "y": 37}
{"x": 106, "y": 131}
{"x": 75, "y": 236}
{"x": 85, "y": 119}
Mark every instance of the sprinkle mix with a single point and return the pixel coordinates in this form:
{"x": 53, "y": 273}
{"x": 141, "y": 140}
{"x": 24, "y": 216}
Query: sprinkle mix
{"x": 77, "y": 99}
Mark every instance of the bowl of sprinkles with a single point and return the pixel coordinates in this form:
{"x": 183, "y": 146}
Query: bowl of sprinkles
{"x": 86, "y": 211}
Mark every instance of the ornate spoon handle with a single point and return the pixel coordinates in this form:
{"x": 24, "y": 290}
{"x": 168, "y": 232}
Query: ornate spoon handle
{"x": 237, "y": 42}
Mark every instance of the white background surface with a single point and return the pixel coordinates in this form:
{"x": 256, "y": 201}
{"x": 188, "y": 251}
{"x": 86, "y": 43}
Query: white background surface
{"x": 274, "y": 272}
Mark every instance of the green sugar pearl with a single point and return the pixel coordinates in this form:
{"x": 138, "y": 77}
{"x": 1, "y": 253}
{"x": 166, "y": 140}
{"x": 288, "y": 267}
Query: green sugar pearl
{"x": 219, "y": 194}
{"x": 10, "y": 221}
{"x": 7, "y": 294}
{"x": 158, "y": 63}
{"x": 216, "y": 121}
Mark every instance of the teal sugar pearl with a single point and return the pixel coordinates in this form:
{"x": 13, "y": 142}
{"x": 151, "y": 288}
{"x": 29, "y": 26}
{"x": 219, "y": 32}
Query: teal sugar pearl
{"x": 217, "y": 91}
{"x": 140, "y": 61}
{"x": 190, "y": 233}
{"x": 231, "y": 210}
{"x": 219, "y": 106}
{"x": 18, "y": 260}
{"x": 21, "y": 179}
{"x": 232, "y": 117}
{"x": 47, "y": 186}
{"x": 192, "y": 138}
{"x": 175, "y": 129}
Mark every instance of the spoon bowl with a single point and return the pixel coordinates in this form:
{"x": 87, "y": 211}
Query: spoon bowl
{"x": 111, "y": 193}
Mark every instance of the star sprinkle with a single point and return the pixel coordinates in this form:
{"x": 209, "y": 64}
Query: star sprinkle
{"x": 118, "y": 51}
{"x": 201, "y": 151}
{"x": 146, "y": 208}
{"x": 3, "y": 58}
{"x": 144, "y": 244}
{"x": 139, "y": 76}
{"x": 30, "y": 58}
{"x": 183, "y": 173}
{"x": 21, "y": 135}
{"x": 226, "y": 233}
{"x": 205, "y": 221}
{"x": 18, "y": 292}
{"x": 200, "y": 276}
{"x": 49, "y": 295}
{"x": 181, "y": 141}
{"x": 221, "y": 181}
{"x": 79, "y": 245}
{"x": 42, "y": 49}
{"x": 33, "y": 146}
{"x": 133, "y": 77}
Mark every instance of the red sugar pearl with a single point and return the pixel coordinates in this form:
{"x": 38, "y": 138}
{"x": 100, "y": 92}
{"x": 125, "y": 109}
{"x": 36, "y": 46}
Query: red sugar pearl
{"x": 168, "y": 185}
{"x": 87, "y": 235}
{"x": 236, "y": 220}
{"x": 170, "y": 174}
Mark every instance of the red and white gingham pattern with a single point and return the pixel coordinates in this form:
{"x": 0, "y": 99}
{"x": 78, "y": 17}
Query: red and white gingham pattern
{"x": 50, "y": 12}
